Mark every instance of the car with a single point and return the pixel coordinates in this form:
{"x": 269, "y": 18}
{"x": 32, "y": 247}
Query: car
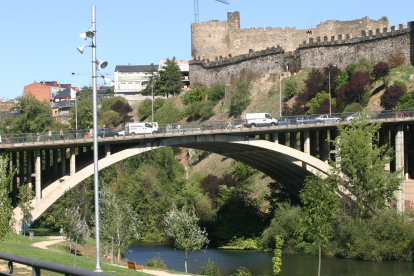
{"x": 327, "y": 118}
{"x": 121, "y": 133}
{"x": 284, "y": 122}
{"x": 108, "y": 133}
{"x": 304, "y": 120}
{"x": 356, "y": 115}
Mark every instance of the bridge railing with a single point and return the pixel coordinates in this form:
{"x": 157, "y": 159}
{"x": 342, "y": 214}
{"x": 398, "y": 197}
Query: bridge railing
{"x": 37, "y": 266}
{"x": 232, "y": 124}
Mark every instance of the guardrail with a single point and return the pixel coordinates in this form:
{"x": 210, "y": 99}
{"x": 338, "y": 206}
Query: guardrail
{"x": 184, "y": 127}
{"x": 37, "y": 266}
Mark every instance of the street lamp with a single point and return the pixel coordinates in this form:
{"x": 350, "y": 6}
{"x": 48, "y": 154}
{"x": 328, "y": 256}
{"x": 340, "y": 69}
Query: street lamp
{"x": 280, "y": 89}
{"x": 76, "y": 106}
{"x": 91, "y": 33}
{"x": 330, "y": 104}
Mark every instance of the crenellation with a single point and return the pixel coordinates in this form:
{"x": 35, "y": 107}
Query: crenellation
{"x": 393, "y": 28}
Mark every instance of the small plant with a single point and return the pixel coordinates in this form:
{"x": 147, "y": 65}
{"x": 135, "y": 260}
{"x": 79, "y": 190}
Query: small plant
{"x": 384, "y": 18}
{"x": 277, "y": 259}
{"x": 209, "y": 268}
{"x": 242, "y": 271}
{"x": 157, "y": 262}
{"x": 290, "y": 89}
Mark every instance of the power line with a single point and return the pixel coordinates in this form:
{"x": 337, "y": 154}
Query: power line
{"x": 196, "y": 8}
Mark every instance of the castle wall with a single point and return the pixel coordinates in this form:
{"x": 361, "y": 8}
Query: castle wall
{"x": 210, "y": 39}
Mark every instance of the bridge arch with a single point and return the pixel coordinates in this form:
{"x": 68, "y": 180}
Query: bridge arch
{"x": 284, "y": 164}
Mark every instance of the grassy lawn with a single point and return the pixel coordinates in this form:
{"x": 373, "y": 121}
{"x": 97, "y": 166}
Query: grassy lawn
{"x": 58, "y": 253}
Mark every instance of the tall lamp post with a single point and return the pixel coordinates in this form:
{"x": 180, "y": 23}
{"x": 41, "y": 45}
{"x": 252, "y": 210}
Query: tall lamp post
{"x": 76, "y": 107}
{"x": 280, "y": 88}
{"x": 97, "y": 64}
{"x": 330, "y": 104}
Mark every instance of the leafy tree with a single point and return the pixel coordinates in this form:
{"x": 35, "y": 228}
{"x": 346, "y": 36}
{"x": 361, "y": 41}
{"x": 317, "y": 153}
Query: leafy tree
{"x": 168, "y": 114}
{"x": 380, "y": 70}
{"x": 391, "y": 97}
{"x": 354, "y": 90}
{"x": 152, "y": 79}
{"x": 195, "y": 95}
{"x": 170, "y": 80}
{"x": 317, "y": 102}
{"x": 363, "y": 65}
{"x": 181, "y": 225}
{"x": 6, "y": 210}
{"x": 339, "y": 81}
{"x": 216, "y": 93}
{"x": 240, "y": 97}
{"x": 320, "y": 203}
{"x": 200, "y": 110}
{"x": 406, "y": 101}
{"x": 84, "y": 93}
{"x": 290, "y": 88}
{"x": 315, "y": 83}
{"x": 384, "y": 18}
{"x": 110, "y": 90}
{"x": 401, "y": 84}
{"x": 25, "y": 196}
{"x": 277, "y": 259}
{"x": 209, "y": 268}
{"x": 85, "y": 114}
{"x": 353, "y": 107}
{"x": 110, "y": 118}
{"x": 363, "y": 162}
{"x": 145, "y": 108}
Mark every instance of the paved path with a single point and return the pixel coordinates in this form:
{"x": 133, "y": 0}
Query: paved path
{"x": 45, "y": 244}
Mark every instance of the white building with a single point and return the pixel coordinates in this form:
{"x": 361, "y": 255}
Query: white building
{"x": 129, "y": 78}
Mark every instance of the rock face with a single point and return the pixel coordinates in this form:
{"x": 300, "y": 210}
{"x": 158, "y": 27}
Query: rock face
{"x": 222, "y": 52}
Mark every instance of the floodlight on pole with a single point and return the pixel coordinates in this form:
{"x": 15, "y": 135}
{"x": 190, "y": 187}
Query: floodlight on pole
{"x": 91, "y": 34}
{"x": 106, "y": 80}
{"x": 330, "y": 104}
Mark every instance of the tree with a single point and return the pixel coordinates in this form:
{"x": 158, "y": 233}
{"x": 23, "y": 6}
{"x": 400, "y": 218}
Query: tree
{"x": 25, "y": 196}
{"x": 170, "y": 80}
{"x": 354, "y": 91}
{"x": 391, "y": 96}
{"x": 6, "y": 208}
{"x": 240, "y": 97}
{"x": 360, "y": 166}
{"x": 168, "y": 114}
{"x": 277, "y": 259}
{"x": 380, "y": 70}
{"x": 152, "y": 79}
{"x": 181, "y": 225}
{"x": 290, "y": 88}
{"x": 316, "y": 102}
{"x": 84, "y": 93}
{"x": 406, "y": 101}
{"x": 320, "y": 203}
{"x": 85, "y": 114}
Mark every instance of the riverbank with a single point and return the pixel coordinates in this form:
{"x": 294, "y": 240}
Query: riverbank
{"x": 54, "y": 249}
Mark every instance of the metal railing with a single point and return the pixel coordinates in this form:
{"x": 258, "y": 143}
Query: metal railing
{"x": 37, "y": 266}
{"x": 234, "y": 124}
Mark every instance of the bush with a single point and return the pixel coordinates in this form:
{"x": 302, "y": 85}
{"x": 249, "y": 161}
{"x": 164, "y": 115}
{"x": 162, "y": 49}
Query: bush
{"x": 314, "y": 83}
{"x": 195, "y": 95}
{"x": 157, "y": 262}
{"x": 216, "y": 93}
{"x": 362, "y": 66}
{"x": 401, "y": 84}
{"x": 167, "y": 114}
{"x": 290, "y": 88}
{"x": 200, "y": 110}
{"x": 242, "y": 271}
{"x": 145, "y": 109}
{"x": 406, "y": 101}
{"x": 240, "y": 97}
{"x": 354, "y": 90}
{"x": 353, "y": 107}
{"x": 209, "y": 268}
{"x": 380, "y": 70}
{"x": 241, "y": 243}
{"x": 391, "y": 96}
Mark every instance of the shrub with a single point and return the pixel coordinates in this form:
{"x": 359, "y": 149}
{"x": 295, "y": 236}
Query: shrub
{"x": 391, "y": 96}
{"x": 200, "y": 110}
{"x": 354, "y": 107}
{"x": 209, "y": 268}
{"x": 167, "y": 114}
{"x": 406, "y": 101}
{"x": 242, "y": 271}
{"x": 195, "y": 95}
{"x": 290, "y": 88}
{"x": 240, "y": 97}
{"x": 216, "y": 93}
{"x": 396, "y": 59}
{"x": 145, "y": 109}
{"x": 157, "y": 262}
{"x": 362, "y": 66}
{"x": 354, "y": 90}
{"x": 380, "y": 70}
{"x": 314, "y": 83}
{"x": 340, "y": 80}
{"x": 401, "y": 84}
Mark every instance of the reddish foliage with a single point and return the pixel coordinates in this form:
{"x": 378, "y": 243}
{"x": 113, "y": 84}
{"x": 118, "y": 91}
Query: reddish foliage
{"x": 315, "y": 83}
{"x": 324, "y": 107}
{"x": 391, "y": 96}
{"x": 353, "y": 91}
{"x": 335, "y": 71}
{"x": 380, "y": 70}
{"x": 210, "y": 184}
{"x": 122, "y": 108}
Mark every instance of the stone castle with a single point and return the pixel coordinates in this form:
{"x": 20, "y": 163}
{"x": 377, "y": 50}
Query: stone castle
{"x": 221, "y": 51}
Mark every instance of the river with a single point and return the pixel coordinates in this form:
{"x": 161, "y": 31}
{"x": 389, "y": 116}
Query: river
{"x": 260, "y": 263}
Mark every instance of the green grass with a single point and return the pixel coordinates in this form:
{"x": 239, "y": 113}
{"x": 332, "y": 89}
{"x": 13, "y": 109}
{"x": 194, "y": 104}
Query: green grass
{"x": 57, "y": 253}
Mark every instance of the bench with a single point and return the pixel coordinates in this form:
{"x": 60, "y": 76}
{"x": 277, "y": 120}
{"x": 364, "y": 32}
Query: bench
{"x": 134, "y": 266}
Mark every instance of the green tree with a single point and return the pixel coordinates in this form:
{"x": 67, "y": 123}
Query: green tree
{"x": 25, "y": 196}
{"x": 182, "y": 226}
{"x": 320, "y": 202}
{"x": 240, "y": 97}
{"x": 6, "y": 210}
{"x": 277, "y": 259}
{"x": 84, "y": 93}
{"x": 85, "y": 114}
{"x": 360, "y": 166}
{"x": 168, "y": 114}
{"x": 317, "y": 101}
{"x": 145, "y": 108}
{"x": 152, "y": 79}
{"x": 170, "y": 80}
{"x": 406, "y": 101}
{"x": 290, "y": 88}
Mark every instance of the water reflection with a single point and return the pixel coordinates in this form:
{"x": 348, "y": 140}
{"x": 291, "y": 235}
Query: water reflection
{"x": 260, "y": 263}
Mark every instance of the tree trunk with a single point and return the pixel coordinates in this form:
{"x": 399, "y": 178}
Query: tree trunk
{"x": 112, "y": 251}
{"x": 186, "y": 255}
{"x": 320, "y": 253}
{"x": 76, "y": 247}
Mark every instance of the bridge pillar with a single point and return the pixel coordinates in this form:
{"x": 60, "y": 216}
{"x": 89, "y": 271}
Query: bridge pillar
{"x": 14, "y": 185}
{"x": 399, "y": 163}
{"x": 38, "y": 172}
{"x": 108, "y": 150}
{"x": 312, "y": 140}
{"x": 21, "y": 168}
{"x": 384, "y": 139}
{"x": 410, "y": 152}
{"x": 293, "y": 140}
{"x": 47, "y": 164}
{"x": 305, "y": 141}
{"x": 29, "y": 160}
{"x": 282, "y": 139}
{"x": 323, "y": 145}
{"x": 274, "y": 137}
{"x": 63, "y": 161}
{"x": 55, "y": 162}
{"x": 72, "y": 161}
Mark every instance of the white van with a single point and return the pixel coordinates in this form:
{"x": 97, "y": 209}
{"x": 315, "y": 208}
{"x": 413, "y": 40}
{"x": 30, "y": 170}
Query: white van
{"x": 141, "y": 128}
{"x": 258, "y": 119}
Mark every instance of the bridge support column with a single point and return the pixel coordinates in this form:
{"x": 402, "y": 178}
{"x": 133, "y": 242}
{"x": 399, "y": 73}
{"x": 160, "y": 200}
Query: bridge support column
{"x": 323, "y": 145}
{"x": 72, "y": 161}
{"x": 282, "y": 139}
{"x": 293, "y": 140}
{"x": 47, "y": 167}
{"x": 14, "y": 180}
{"x": 312, "y": 139}
{"x": 274, "y": 137}
{"x": 410, "y": 152}
{"x": 262, "y": 136}
{"x": 55, "y": 162}
{"x": 29, "y": 159}
{"x": 384, "y": 139}
{"x": 63, "y": 161}
{"x": 21, "y": 168}
{"x": 399, "y": 163}
{"x": 107, "y": 150}
{"x": 38, "y": 171}
{"x": 305, "y": 141}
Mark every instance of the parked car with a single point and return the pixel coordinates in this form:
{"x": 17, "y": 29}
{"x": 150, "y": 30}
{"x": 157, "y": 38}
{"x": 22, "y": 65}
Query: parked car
{"x": 356, "y": 115}
{"x": 121, "y": 133}
{"x": 327, "y": 118}
{"x": 258, "y": 120}
{"x": 284, "y": 122}
{"x": 108, "y": 133}
{"x": 304, "y": 120}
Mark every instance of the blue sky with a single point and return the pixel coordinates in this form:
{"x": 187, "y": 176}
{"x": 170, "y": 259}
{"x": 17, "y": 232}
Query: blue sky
{"x": 39, "y": 38}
